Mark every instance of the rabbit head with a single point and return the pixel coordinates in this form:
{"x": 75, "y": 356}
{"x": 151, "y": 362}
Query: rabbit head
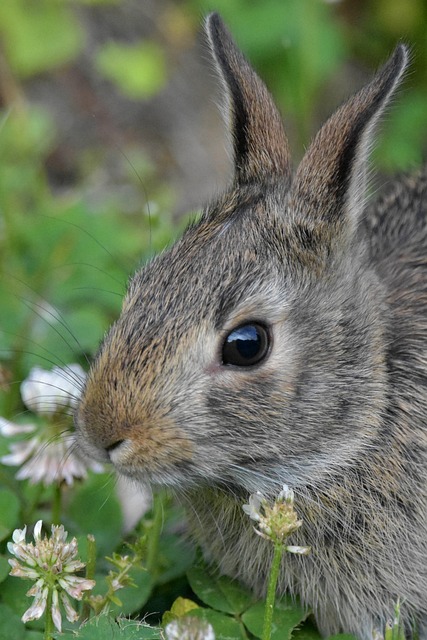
{"x": 250, "y": 353}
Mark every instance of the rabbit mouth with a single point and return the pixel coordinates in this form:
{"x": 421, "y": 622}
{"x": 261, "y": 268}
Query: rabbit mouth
{"x": 160, "y": 468}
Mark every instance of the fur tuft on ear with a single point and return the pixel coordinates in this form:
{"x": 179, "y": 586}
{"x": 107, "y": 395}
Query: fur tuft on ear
{"x": 259, "y": 142}
{"x": 330, "y": 183}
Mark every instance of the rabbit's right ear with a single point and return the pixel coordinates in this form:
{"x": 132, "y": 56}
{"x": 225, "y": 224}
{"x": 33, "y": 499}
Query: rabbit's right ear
{"x": 260, "y": 145}
{"x": 328, "y": 190}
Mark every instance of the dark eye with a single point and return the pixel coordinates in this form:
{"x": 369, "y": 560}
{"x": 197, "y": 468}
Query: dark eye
{"x": 245, "y": 346}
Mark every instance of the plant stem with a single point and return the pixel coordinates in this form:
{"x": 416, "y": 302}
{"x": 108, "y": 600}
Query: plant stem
{"x": 154, "y": 534}
{"x": 48, "y": 630}
{"x": 271, "y": 592}
{"x": 57, "y": 504}
{"x": 90, "y": 572}
{"x": 243, "y": 630}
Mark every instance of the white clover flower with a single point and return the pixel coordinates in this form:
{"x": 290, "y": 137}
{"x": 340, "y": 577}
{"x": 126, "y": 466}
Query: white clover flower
{"x": 52, "y": 563}
{"x": 45, "y": 392}
{"x": 277, "y": 521}
{"x": 189, "y": 628}
{"x": 49, "y": 455}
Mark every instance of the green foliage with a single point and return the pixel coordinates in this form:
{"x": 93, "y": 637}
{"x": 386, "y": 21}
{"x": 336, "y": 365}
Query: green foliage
{"x": 95, "y": 509}
{"x": 138, "y": 70}
{"x": 11, "y": 626}
{"x": 39, "y": 35}
{"x": 4, "y": 568}
{"x": 104, "y": 628}
{"x": 9, "y": 513}
{"x": 219, "y": 592}
{"x": 287, "y": 617}
{"x": 233, "y": 611}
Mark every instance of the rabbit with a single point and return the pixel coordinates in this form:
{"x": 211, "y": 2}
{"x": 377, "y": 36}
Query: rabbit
{"x": 283, "y": 340}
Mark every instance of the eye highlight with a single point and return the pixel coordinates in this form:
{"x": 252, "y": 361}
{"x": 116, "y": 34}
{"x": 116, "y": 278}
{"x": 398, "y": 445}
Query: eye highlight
{"x": 246, "y": 345}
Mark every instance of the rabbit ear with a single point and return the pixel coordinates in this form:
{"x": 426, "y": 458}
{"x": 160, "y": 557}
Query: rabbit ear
{"x": 260, "y": 145}
{"x": 329, "y": 185}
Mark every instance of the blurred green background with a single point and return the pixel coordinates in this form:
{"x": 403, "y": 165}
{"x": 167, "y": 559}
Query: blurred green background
{"x": 110, "y": 135}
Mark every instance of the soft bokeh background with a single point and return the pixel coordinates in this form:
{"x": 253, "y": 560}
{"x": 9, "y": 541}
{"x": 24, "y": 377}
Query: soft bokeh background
{"x": 110, "y": 136}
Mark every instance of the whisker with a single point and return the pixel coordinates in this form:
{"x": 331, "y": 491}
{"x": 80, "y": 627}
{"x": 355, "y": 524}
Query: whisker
{"x": 147, "y": 201}
{"x": 92, "y": 266}
{"x": 74, "y": 379}
{"x": 34, "y": 353}
{"x": 110, "y": 480}
{"x": 113, "y": 293}
{"x": 42, "y": 315}
{"x": 86, "y": 232}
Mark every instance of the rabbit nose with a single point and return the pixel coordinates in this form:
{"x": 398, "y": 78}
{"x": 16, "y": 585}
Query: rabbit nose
{"x": 112, "y": 447}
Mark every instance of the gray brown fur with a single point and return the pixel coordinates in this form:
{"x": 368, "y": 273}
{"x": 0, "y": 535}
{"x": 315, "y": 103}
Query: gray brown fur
{"x": 338, "y": 410}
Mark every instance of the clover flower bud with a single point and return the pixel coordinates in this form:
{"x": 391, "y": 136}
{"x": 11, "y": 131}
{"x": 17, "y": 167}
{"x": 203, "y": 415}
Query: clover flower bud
{"x": 276, "y": 521}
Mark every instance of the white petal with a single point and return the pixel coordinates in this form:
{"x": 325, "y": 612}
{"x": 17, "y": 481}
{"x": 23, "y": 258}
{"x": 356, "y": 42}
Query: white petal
{"x": 37, "y": 608}
{"x": 59, "y": 534}
{"x": 19, "y": 452}
{"x": 19, "y": 535}
{"x": 251, "y": 512}
{"x": 257, "y": 500}
{"x": 75, "y": 586}
{"x": 24, "y": 552}
{"x": 22, "y": 572}
{"x": 286, "y": 494}
{"x": 72, "y": 615}
{"x": 37, "y": 588}
{"x": 189, "y": 628}
{"x": 48, "y": 462}
{"x": 36, "y": 391}
{"x": 37, "y": 530}
{"x": 45, "y": 391}
{"x": 302, "y": 551}
{"x": 8, "y": 428}
{"x": 56, "y": 614}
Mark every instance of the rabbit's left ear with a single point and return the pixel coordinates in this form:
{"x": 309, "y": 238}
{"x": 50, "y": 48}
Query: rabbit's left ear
{"x": 329, "y": 185}
{"x": 259, "y": 142}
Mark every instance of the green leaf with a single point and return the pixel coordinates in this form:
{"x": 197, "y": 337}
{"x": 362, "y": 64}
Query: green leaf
{"x": 219, "y": 592}
{"x": 225, "y": 628}
{"x": 11, "y": 625}
{"x": 308, "y": 631}
{"x": 180, "y": 607}
{"x": 286, "y": 617}
{"x": 9, "y": 513}
{"x": 139, "y": 71}
{"x": 105, "y": 628}
{"x": 177, "y": 556}
{"x": 13, "y": 594}
{"x": 96, "y": 510}
{"x": 4, "y": 568}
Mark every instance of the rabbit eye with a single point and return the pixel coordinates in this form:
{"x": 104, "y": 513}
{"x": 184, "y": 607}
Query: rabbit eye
{"x": 246, "y": 345}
